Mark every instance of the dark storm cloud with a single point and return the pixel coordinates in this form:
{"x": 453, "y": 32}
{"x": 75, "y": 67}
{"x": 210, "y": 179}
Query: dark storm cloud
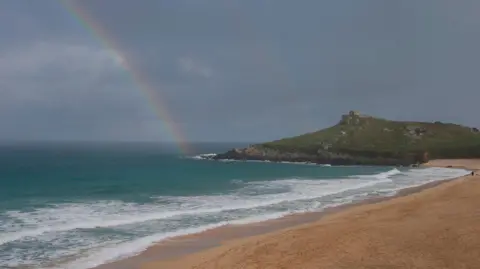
{"x": 234, "y": 70}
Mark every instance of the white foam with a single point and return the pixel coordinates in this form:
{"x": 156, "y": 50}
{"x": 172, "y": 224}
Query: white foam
{"x": 127, "y": 249}
{"x": 210, "y": 156}
{"x": 251, "y": 202}
{"x": 382, "y": 175}
{"x": 388, "y": 174}
{"x": 111, "y": 214}
{"x": 303, "y": 163}
{"x": 236, "y": 181}
{"x": 203, "y": 156}
{"x": 88, "y": 216}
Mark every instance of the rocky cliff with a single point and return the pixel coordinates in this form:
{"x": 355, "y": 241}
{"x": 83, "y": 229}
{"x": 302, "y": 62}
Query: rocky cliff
{"x": 366, "y": 140}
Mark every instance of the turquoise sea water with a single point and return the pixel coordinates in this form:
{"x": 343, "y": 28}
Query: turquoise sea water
{"x": 78, "y": 207}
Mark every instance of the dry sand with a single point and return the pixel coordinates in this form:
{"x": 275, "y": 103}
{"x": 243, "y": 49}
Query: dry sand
{"x": 471, "y": 164}
{"x": 438, "y": 227}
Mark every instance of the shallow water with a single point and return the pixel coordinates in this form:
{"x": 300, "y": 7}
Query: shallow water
{"x": 81, "y": 208}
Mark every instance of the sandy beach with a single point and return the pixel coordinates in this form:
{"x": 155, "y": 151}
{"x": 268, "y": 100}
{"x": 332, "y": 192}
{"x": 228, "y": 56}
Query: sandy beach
{"x": 434, "y": 226}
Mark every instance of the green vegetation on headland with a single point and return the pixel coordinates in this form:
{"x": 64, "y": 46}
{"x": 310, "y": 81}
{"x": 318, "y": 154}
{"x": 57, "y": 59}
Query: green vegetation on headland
{"x": 361, "y": 139}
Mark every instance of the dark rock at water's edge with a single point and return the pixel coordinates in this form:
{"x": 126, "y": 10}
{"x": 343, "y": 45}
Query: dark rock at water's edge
{"x": 364, "y": 140}
{"x": 256, "y": 153}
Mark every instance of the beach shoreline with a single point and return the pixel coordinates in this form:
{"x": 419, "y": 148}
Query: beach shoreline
{"x": 220, "y": 237}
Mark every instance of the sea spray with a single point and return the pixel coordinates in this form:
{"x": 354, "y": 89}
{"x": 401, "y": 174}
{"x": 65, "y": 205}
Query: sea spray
{"x": 57, "y": 217}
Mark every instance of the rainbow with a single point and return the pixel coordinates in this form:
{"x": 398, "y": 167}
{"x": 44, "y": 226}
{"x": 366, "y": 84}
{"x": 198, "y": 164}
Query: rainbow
{"x": 140, "y": 82}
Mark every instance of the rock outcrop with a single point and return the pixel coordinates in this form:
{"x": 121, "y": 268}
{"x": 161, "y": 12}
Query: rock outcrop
{"x": 364, "y": 140}
{"x": 258, "y": 153}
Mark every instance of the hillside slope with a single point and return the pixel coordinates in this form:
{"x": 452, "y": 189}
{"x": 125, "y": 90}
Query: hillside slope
{"x": 360, "y": 139}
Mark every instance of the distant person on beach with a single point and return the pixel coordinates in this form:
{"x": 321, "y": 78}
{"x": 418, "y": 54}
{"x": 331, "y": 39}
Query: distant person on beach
{"x": 473, "y": 173}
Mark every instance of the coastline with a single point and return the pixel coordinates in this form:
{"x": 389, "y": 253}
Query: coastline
{"x": 170, "y": 250}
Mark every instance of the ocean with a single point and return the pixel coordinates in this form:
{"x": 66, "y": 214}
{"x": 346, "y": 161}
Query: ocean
{"x": 79, "y": 206}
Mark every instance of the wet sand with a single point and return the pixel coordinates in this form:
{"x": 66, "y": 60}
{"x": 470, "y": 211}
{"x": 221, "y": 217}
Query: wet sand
{"x": 435, "y": 225}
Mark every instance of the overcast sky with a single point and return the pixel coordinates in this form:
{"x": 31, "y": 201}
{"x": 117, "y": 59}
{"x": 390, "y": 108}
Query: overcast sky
{"x": 232, "y": 70}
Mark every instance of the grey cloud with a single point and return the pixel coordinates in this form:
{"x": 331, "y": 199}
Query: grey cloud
{"x": 63, "y": 90}
{"x": 190, "y": 66}
{"x": 238, "y": 70}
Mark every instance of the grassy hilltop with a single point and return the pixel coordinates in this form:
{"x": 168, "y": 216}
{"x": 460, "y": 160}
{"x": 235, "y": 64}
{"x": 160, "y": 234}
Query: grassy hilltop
{"x": 360, "y": 139}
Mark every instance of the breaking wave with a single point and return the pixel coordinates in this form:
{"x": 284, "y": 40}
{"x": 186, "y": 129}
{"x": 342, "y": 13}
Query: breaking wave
{"x": 128, "y": 228}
